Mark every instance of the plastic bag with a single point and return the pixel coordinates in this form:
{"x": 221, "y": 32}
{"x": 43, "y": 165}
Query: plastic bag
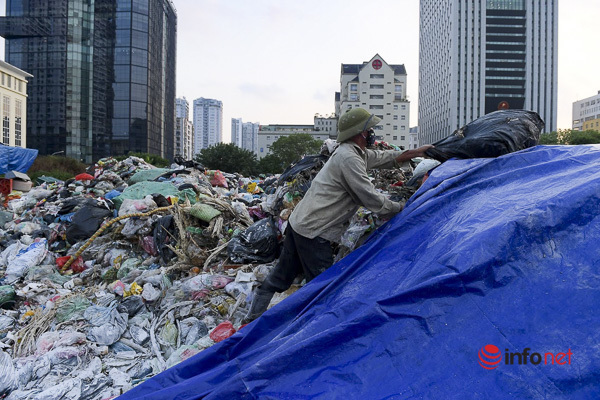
{"x": 495, "y": 134}
{"x": 204, "y": 212}
{"x": 25, "y": 259}
{"x": 8, "y": 374}
{"x": 107, "y": 324}
{"x": 222, "y": 331}
{"x": 71, "y": 308}
{"x": 191, "y": 329}
{"x": 150, "y": 294}
{"x": 182, "y": 354}
{"x": 258, "y": 243}
{"x": 86, "y": 222}
{"x": 7, "y": 295}
{"x": 164, "y": 232}
{"x": 133, "y": 206}
{"x": 218, "y": 179}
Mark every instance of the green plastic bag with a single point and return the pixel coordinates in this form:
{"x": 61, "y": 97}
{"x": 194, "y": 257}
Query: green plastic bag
{"x": 72, "y": 308}
{"x": 143, "y": 189}
{"x": 147, "y": 175}
{"x": 204, "y": 212}
{"x": 7, "y": 294}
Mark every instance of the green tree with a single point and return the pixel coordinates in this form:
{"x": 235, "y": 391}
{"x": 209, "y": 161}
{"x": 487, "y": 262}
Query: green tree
{"x": 289, "y": 149}
{"x": 270, "y": 164}
{"x": 227, "y": 157}
{"x": 549, "y": 138}
{"x": 570, "y": 137}
{"x": 585, "y": 137}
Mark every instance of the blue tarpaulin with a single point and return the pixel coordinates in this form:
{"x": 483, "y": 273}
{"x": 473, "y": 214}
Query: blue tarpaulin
{"x": 16, "y": 159}
{"x": 490, "y": 254}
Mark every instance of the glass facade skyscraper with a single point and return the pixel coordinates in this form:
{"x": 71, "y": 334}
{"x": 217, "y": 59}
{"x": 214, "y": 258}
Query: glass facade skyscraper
{"x": 478, "y": 56}
{"x": 103, "y": 74}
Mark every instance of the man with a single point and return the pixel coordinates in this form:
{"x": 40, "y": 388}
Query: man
{"x": 336, "y": 193}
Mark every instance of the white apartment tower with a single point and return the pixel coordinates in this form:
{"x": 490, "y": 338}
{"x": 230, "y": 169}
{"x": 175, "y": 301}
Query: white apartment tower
{"x": 236, "y": 131}
{"x": 208, "y": 123}
{"x": 250, "y": 136}
{"x": 380, "y": 88}
{"x": 479, "y": 56}
{"x": 184, "y": 130}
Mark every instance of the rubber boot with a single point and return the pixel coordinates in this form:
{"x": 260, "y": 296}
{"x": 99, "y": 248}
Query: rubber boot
{"x": 259, "y": 305}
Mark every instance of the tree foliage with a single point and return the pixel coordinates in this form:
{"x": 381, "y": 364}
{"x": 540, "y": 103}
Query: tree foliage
{"x": 227, "y": 157}
{"x": 270, "y": 164}
{"x": 570, "y": 137}
{"x": 289, "y": 149}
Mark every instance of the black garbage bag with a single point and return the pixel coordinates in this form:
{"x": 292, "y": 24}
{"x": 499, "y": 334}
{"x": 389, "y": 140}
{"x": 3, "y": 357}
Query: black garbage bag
{"x": 306, "y": 163}
{"x": 495, "y": 134}
{"x": 164, "y": 235}
{"x": 85, "y": 222}
{"x": 258, "y": 243}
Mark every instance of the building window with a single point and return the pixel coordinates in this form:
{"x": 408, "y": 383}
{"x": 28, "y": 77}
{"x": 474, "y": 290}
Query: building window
{"x": 6, "y": 119}
{"x": 262, "y": 149}
{"x": 376, "y": 86}
{"x": 376, "y": 106}
{"x": 395, "y": 137}
{"x": 353, "y": 87}
{"x": 398, "y": 92}
{"x": 353, "y": 97}
{"x": 18, "y": 110}
{"x": 268, "y": 137}
{"x": 395, "y": 118}
{"x": 376, "y": 96}
{"x": 376, "y": 76}
{"x": 402, "y": 137}
{"x": 395, "y": 127}
{"x": 395, "y": 106}
{"x": 403, "y": 117}
{"x": 404, "y": 106}
{"x": 403, "y": 127}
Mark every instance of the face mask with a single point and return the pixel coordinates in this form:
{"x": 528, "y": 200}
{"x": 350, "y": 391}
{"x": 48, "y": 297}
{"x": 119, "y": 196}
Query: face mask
{"x": 370, "y": 138}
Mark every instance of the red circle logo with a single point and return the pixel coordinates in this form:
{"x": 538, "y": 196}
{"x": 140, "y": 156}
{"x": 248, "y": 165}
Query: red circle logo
{"x": 503, "y": 105}
{"x": 490, "y": 356}
{"x": 377, "y": 64}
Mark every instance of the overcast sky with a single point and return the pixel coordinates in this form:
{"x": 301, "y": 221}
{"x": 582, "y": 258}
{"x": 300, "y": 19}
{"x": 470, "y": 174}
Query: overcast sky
{"x": 278, "y": 61}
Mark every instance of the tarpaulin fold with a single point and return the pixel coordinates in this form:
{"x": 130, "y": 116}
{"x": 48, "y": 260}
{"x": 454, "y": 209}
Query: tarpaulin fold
{"x": 501, "y": 251}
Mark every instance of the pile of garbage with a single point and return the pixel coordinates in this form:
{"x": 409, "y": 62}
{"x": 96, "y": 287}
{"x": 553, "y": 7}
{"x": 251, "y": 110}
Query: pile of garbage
{"x": 111, "y": 277}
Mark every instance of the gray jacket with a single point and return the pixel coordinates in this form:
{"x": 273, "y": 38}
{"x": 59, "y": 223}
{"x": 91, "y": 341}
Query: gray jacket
{"x": 339, "y": 189}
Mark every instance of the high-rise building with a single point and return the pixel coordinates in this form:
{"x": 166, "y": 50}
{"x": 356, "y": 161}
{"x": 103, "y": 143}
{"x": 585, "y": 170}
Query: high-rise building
{"x": 236, "y": 131}
{"x": 103, "y": 74}
{"x": 13, "y": 101}
{"x": 184, "y": 130}
{"x": 380, "y": 88}
{"x": 586, "y": 113}
{"x": 208, "y": 123}
{"x": 480, "y": 56}
{"x": 250, "y": 136}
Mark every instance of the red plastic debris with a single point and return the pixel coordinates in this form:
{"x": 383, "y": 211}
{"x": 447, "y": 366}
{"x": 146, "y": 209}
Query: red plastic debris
{"x": 84, "y": 177}
{"x": 222, "y": 331}
{"x": 218, "y": 179}
{"x": 77, "y": 266}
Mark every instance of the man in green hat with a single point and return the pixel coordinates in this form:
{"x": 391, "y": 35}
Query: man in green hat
{"x": 336, "y": 193}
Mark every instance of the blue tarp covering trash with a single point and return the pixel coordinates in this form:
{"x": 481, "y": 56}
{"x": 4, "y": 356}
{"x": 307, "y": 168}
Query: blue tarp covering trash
{"x": 490, "y": 257}
{"x": 16, "y": 159}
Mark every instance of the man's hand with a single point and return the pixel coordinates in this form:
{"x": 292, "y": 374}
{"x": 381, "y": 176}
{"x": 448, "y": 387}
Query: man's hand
{"x": 410, "y": 154}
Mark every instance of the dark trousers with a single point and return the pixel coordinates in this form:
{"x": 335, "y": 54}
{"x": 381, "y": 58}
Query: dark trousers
{"x": 299, "y": 255}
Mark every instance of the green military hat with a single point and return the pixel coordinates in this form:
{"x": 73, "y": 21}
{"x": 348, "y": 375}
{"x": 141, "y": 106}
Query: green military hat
{"x": 354, "y": 122}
